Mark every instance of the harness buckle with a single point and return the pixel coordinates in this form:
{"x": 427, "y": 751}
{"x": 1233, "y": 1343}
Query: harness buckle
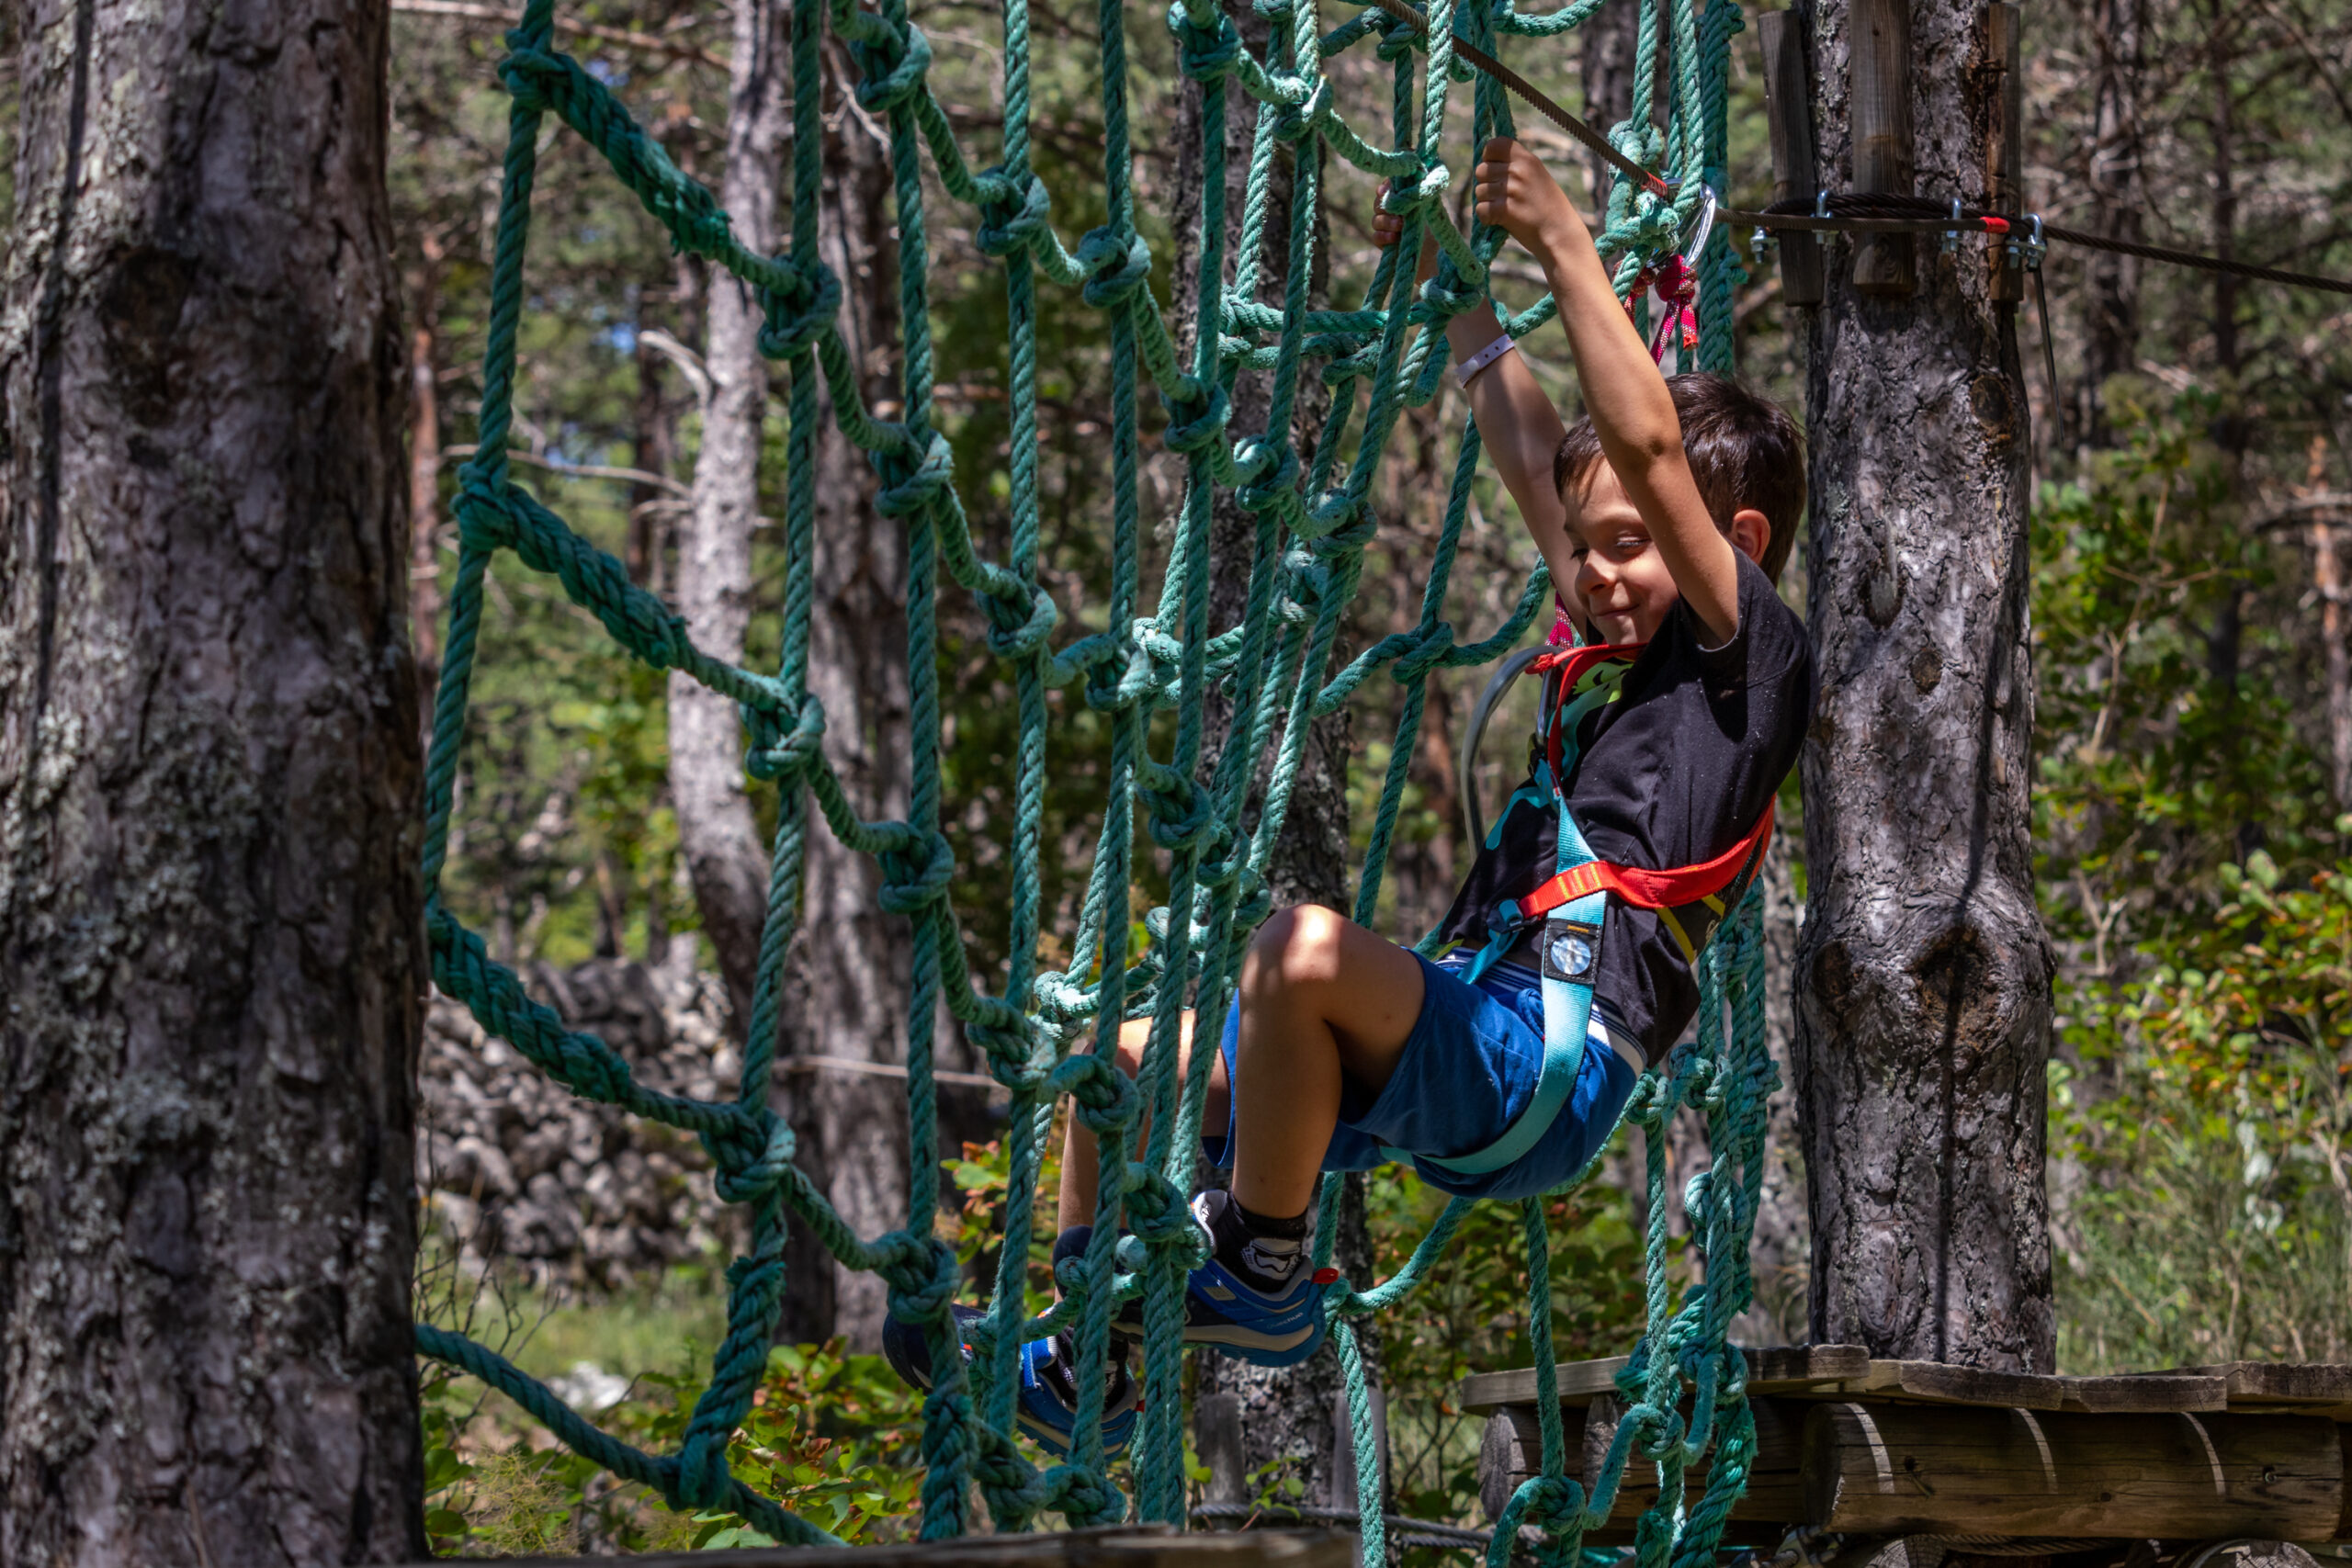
{"x": 1571, "y": 951}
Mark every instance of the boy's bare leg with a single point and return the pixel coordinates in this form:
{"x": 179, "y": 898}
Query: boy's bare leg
{"x": 1082, "y": 1161}
{"x": 1321, "y": 996}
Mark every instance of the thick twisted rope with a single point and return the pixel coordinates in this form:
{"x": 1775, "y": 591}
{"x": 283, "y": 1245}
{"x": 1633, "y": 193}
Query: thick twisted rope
{"x": 1049, "y": 1033}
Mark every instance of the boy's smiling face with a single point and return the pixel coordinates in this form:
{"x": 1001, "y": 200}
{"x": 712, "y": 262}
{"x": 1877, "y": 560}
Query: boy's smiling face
{"x": 1623, "y": 589}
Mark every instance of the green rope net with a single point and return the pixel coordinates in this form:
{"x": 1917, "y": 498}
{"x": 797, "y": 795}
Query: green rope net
{"x": 1049, "y": 1033}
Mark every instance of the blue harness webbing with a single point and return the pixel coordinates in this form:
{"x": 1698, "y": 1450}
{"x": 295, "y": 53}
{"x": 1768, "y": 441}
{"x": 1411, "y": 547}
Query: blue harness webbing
{"x": 1569, "y": 952}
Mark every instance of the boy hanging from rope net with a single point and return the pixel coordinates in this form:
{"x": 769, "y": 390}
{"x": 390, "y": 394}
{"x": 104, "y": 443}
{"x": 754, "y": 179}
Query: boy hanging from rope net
{"x": 1499, "y": 1069}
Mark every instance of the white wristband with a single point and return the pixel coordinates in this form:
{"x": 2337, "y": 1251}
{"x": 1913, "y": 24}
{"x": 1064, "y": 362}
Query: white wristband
{"x": 1468, "y": 369}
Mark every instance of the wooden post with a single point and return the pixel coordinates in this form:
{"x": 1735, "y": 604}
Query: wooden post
{"x": 2005, "y": 144}
{"x": 1895, "y": 1469}
{"x": 1881, "y": 106}
{"x": 1788, "y": 104}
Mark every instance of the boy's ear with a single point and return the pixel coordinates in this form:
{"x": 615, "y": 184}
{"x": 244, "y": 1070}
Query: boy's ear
{"x": 1749, "y": 533}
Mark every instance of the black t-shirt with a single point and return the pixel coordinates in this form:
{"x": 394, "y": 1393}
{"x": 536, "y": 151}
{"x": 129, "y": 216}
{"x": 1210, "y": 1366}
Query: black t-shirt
{"x": 1672, "y": 774}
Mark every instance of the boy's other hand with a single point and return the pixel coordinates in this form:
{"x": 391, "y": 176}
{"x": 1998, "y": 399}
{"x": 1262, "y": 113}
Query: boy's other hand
{"x": 1518, "y": 195}
{"x": 1387, "y": 228}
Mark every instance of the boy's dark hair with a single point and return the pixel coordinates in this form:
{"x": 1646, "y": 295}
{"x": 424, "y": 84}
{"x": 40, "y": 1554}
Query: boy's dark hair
{"x": 1744, "y": 452}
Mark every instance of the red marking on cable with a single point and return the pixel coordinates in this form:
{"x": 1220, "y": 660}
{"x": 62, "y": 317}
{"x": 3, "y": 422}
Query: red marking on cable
{"x": 1996, "y": 225}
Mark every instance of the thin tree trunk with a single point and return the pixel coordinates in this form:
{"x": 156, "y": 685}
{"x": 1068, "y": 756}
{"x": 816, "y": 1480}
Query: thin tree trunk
{"x": 717, "y": 833}
{"x": 211, "y": 920}
{"x": 850, "y": 968}
{"x": 425, "y": 464}
{"x": 1923, "y": 1002}
{"x": 2111, "y": 340}
{"x": 1606, "y": 65}
{"x": 1247, "y": 1417}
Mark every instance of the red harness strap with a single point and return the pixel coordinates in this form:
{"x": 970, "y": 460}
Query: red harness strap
{"x": 1650, "y": 889}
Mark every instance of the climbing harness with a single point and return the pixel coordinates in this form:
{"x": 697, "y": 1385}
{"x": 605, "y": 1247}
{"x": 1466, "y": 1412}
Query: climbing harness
{"x": 1049, "y": 1033}
{"x": 1572, "y": 904}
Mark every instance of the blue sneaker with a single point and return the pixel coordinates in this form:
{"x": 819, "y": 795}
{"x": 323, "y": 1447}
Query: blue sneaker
{"x": 1048, "y": 1410}
{"x": 1225, "y": 1308}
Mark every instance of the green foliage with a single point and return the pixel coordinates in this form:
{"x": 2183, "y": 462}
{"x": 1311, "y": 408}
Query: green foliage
{"x": 2198, "y": 1109}
{"x": 2215, "y": 1217}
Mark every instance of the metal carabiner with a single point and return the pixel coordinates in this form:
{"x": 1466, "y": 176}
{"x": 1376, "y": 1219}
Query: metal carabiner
{"x": 1702, "y": 227}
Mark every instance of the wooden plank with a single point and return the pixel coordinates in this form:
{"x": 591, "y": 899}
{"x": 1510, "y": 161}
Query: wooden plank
{"x": 2145, "y": 1392}
{"x": 1879, "y": 103}
{"x": 1898, "y": 1469}
{"x": 1937, "y": 1383}
{"x": 1117, "y": 1546}
{"x": 1774, "y": 1368}
{"x": 2259, "y": 1383}
{"x": 1788, "y": 107}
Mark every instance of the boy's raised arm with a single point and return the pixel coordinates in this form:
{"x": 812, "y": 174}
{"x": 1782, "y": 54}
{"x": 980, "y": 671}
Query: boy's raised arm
{"x": 1631, "y": 412}
{"x": 1517, "y": 424}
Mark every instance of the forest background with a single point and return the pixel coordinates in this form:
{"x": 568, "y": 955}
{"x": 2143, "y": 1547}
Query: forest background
{"x": 2193, "y": 683}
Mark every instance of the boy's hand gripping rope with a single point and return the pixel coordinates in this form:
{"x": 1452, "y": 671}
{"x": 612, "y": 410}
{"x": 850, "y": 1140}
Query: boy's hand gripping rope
{"x": 1049, "y": 1032}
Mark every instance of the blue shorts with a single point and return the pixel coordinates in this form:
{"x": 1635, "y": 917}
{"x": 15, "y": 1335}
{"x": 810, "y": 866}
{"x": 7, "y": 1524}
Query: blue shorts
{"x": 1468, "y": 1069}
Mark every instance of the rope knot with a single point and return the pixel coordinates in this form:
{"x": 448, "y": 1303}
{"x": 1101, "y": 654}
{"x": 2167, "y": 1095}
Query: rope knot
{"x": 1180, "y": 810}
{"x": 1206, "y": 54}
{"x": 922, "y": 1275}
{"x": 1427, "y": 653}
{"x": 1194, "y": 423}
{"x": 904, "y": 61}
{"x": 1103, "y": 1097}
{"x": 1292, "y": 121}
{"x": 750, "y": 1156}
{"x": 1014, "y": 224}
{"x": 915, "y": 873}
{"x": 1272, "y": 469}
{"x": 1398, "y": 40}
{"x": 484, "y": 520}
{"x": 1116, "y": 265}
{"x": 776, "y": 753}
{"x": 534, "y": 75}
{"x": 793, "y": 320}
{"x": 1162, "y": 1220}
{"x": 908, "y": 488}
{"x": 1012, "y": 635}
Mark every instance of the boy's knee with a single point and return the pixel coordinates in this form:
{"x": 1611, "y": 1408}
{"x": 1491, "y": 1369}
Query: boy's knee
{"x": 1299, "y": 947}
{"x": 1133, "y": 1035}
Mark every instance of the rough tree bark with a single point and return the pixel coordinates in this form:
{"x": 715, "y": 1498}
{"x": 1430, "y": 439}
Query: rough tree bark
{"x": 1244, "y": 1416}
{"x": 717, "y": 834}
{"x": 847, "y": 984}
{"x": 211, "y": 923}
{"x": 1923, "y": 1001}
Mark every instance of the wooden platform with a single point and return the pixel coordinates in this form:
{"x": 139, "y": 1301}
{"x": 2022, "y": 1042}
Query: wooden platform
{"x": 1869, "y": 1447}
{"x": 1118, "y": 1546}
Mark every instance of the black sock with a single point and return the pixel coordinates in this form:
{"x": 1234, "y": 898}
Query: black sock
{"x": 1264, "y": 1249}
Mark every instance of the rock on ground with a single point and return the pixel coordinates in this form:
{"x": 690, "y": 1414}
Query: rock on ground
{"x": 517, "y": 1169}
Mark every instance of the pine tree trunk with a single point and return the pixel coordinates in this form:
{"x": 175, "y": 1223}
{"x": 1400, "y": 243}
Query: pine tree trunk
{"x": 1247, "y": 1417}
{"x": 2111, "y": 340}
{"x": 724, "y": 855}
{"x": 212, "y": 952}
{"x": 1924, "y": 1001}
{"x": 851, "y": 971}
